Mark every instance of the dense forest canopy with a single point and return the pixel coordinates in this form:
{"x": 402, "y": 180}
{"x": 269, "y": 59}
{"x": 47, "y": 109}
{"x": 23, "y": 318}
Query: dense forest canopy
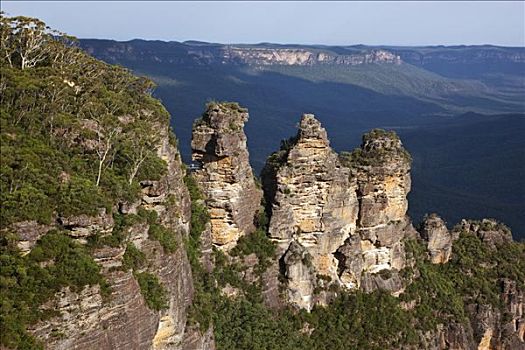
{"x": 76, "y": 133}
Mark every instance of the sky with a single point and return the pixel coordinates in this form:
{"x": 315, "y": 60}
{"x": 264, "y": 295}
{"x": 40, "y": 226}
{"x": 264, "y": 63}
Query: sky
{"x": 331, "y": 23}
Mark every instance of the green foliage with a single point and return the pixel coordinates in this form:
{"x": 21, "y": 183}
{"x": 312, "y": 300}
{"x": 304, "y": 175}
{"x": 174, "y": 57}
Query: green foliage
{"x": 351, "y": 159}
{"x": 199, "y": 219}
{"x": 202, "y": 307}
{"x": 378, "y": 155}
{"x": 164, "y": 236}
{"x": 240, "y": 324}
{"x": 152, "y": 169}
{"x": 256, "y": 243}
{"x": 26, "y": 282}
{"x": 361, "y": 321}
{"x": 133, "y": 258}
{"x": 152, "y": 291}
{"x": 80, "y": 196}
{"x": 473, "y": 275}
{"x": 77, "y": 134}
{"x": 352, "y": 321}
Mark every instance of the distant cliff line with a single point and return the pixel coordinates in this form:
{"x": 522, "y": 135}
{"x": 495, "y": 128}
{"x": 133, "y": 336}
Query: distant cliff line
{"x": 264, "y": 54}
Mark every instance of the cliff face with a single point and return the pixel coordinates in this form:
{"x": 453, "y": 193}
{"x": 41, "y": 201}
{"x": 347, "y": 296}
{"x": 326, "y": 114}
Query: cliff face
{"x": 303, "y": 57}
{"x": 223, "y": 172}
{"x": 123, "y": 319}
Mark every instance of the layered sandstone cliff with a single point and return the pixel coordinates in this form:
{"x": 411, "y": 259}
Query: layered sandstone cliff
{"x": 303, "y": 57}
{"x": 85, "y": 318}
{"x": 223, "y": 171}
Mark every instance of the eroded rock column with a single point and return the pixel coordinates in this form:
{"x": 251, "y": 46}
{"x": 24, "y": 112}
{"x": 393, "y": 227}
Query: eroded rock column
{"x": 439, "y": 239}
{"x": 314, "y": 208}
{"x": 224, "y": 173}
{"x": 382, "y": 171}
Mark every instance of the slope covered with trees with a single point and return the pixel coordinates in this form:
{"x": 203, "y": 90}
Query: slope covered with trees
{"x": 77, "y": 137}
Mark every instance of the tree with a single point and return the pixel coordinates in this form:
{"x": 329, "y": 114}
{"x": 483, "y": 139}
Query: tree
{"x": 30, "y": 40}
{"x": 6, "y": 39}
{"x": 140, "y": 145}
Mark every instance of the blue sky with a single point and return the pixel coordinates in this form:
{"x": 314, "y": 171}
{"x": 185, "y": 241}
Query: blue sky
{"x": 333, "y": 23}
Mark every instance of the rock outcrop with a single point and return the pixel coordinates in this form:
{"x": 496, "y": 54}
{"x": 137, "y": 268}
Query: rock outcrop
{"x": 301, "y": 57}
{"x": 439, "y": 239}
{"x": 490, "y": 231}
{"x": 314, "y": 206}
{"x": 381, "y": 168}
{"x": 349, "y": 219}
{"x": 223, "y": 172}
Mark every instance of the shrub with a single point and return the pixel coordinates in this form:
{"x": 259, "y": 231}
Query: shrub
{"x": 133, "y": 258}
{"x": 164, "y": 236}
{"x": 152, "y": 291}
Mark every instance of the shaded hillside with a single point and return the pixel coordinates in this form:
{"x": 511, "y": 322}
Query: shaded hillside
{"x": 472, "y": 167}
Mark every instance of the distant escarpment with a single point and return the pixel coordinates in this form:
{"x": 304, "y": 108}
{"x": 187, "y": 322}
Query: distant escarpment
{"x": 223, "y": 171}
{"x": 448, "y": 60}
{"x": 302, "y": 57}
{"x": 255, "y": 55}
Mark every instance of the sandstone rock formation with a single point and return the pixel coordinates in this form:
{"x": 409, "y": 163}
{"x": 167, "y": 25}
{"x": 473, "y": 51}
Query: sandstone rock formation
{"x": 301, "y": 57}
{"x": 382, "y": 171}
{"x": 349, "y": 219}
{"x": 439, "y": 239}
{"x": 224, "y": 172}
{"x": 314, "y": 206}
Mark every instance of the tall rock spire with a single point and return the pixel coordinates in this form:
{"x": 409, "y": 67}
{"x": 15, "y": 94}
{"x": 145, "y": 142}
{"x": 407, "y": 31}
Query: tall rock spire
{"x": 381, "y": 168}
{"x": 224, "y": 173}
{"x": 314, "y": 208}
{"x": 338, "y": 220}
